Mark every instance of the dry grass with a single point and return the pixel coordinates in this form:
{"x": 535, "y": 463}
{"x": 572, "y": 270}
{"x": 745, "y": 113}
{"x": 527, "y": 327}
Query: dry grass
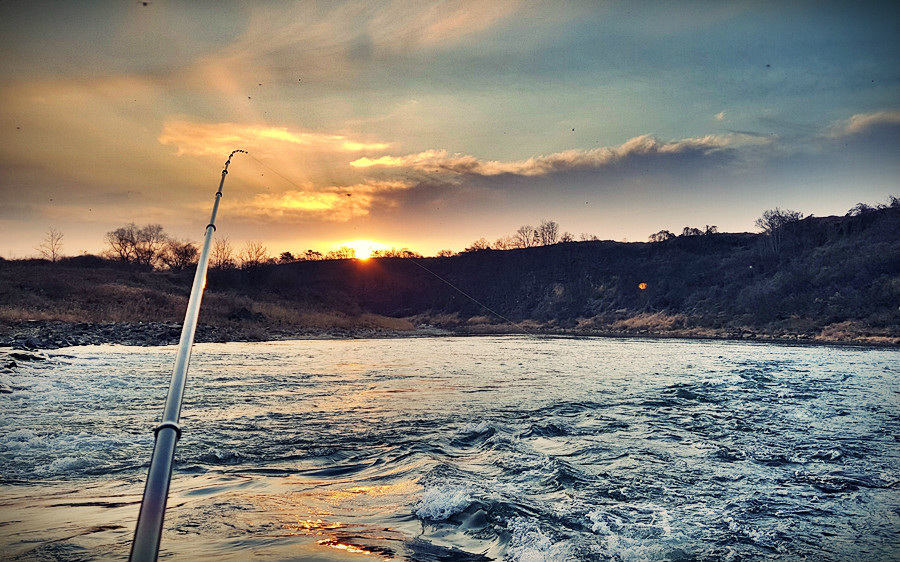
{"x": 855, "y": 331}
{"x": 46, "y": 293}
{"x": 104, "y": 302}
{"x": 657, "y": 322}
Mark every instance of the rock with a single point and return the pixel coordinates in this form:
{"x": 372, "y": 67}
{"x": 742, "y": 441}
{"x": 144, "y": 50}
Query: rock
{"x": 25, "y": 356}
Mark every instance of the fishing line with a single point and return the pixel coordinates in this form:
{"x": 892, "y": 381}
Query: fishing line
{"x": 448, "y": 283}
{"x": 274, "y": 171}
{"x": 473, "y": 299}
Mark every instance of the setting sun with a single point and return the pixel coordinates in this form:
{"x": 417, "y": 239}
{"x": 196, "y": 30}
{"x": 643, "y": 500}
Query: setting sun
{"x": 364, "y": 248}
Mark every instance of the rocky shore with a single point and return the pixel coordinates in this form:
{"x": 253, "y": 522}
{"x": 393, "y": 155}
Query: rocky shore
{"x": 54, "y": 335}
{"x": 47, "y": 335}
{"x": 37, "y": 335}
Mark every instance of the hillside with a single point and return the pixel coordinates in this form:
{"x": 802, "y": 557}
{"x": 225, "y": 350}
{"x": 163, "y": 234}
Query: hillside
{"x": 831, "y": 279}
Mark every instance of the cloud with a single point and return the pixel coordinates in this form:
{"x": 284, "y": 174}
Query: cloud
{"x": 646, "y": 146}
{"x": 451, "y": 22}
{"x": 720, "y": 116}
{"x": 331, "y": 204}
{"x": 863, "y": 123}
{"x": 220, "y": 138}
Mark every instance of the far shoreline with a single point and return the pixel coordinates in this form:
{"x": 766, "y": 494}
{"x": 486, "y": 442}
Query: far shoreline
{"x": 50, "y": 335}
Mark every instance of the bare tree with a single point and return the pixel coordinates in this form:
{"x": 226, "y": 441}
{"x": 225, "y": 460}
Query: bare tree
{"x": 51, "y": 246}
{"x": 222, "y": 256}
{"x": 525, "y": 236}
{"x": 178, "y": 256}
{"x": 585, "y": 237}
{"x": 691, "y": 231}
{"x": 478, "y": 245}
{"x": 395, "y": 253}
{"x": 312, "y": 255}
{"x": 566, "y": 237}
{"x": 253, "y": 254}
{"x": 149, "y": 241}
{"x": 122, "y": 242}
{"x": 547, "y": 233}
{"x": 342, "y": 253}
{"x": 446, "y": 253}
{"x": 773, "y": 222}
{"x": 505, "y": 243}
{"x": 140, "y": 245}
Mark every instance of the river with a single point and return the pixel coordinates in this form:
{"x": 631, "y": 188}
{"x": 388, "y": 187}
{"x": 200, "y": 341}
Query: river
{"x": 462, "y": 448}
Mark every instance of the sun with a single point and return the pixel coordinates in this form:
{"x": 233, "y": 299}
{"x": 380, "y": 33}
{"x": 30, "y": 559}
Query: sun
{"x": 364, "y": 248}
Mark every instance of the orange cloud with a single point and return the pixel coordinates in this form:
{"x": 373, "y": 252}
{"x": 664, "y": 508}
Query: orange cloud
{"x": 334, "y": 204}
{"x": 218, "y": 138}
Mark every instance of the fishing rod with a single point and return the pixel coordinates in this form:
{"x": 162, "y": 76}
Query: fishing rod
{"x": 148, "y": 531}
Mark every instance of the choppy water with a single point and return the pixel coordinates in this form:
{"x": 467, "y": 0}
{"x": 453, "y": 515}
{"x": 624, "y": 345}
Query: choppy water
{"x": 433, "y": 449}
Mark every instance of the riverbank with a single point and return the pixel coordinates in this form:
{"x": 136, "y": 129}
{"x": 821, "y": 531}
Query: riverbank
{"x": 43, "y": 335}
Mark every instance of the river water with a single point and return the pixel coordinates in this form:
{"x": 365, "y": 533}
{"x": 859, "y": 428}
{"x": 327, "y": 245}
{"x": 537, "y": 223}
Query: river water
{"x": 462, "y": 448}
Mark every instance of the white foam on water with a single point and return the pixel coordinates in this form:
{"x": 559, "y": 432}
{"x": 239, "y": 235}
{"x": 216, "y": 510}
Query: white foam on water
{"x": 65, "y": 465}
{"x": 438, "y": 503}
{"x": 529, "y": 544}
{"x": 633, "y": 541}
{"x": 479, "y": 427}
{"x": 20, "y": 439}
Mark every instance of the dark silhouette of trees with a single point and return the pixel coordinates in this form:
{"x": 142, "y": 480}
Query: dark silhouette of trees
{"x": 253, "y": 254}
{"x": 51, "y": 246}
{"x": 405, "y": 253}
{"x": 222, "y": 255}
{"x": 773, "y": 222}
{"x": 860, "y": 209}
{"x": 525, "y": 237}
{"x": 137, "y": 245}
{"x": 661, "y": 236}
{"x": 479, "y": 245}
{"x": 178, "y": 256}
{"x": 342, "y": 253}
{"x": 313, "y": 255}
{"x": 547, "y": 233}
{"x": 505, "y": 243}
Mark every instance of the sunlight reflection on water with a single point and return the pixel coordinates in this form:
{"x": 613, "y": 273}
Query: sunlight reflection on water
{"x": 476, "y": 448}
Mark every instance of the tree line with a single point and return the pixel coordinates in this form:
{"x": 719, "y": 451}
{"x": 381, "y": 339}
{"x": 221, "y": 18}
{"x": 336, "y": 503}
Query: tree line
{"x": 150, "y": 246}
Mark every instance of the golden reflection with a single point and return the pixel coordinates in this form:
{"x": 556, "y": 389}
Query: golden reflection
{"x": 352, "y": 548}
{"x": 337, "y": 496}
{"x": 310, "y": 527}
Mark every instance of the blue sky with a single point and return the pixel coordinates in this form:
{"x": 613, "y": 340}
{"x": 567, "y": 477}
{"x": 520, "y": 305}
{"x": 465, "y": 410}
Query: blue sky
{"x": 429, "y": 125}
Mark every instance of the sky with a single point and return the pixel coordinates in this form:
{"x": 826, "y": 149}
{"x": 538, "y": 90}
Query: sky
{"x": 429, "y": 125}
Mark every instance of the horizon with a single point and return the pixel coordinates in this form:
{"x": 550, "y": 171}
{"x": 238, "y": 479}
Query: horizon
{"x": 433, "y": 125}
{"x": 363, "y": 249}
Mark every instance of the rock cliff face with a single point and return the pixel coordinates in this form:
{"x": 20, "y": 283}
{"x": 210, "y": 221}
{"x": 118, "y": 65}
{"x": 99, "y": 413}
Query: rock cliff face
{"x": 831, "y": 278}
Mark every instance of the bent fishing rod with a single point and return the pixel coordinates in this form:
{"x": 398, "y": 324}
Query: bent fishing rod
{"x": 148, "y": 531}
